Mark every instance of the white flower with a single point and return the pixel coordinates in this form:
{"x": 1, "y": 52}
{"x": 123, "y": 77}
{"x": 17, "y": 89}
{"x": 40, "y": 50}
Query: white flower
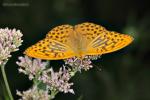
{"x": 34, "y": 94}
{"x": 57, "y": 80}
{"x": 10, "y": 40}
{"x": 79, "y": 64}
{"x": 31, "y": 67}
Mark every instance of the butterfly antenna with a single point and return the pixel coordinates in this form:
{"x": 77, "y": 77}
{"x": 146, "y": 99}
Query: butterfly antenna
{"x": 98, "y": 67}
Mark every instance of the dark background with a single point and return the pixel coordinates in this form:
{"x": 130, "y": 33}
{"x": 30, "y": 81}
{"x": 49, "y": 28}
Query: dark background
{"x": 125, "y": 74}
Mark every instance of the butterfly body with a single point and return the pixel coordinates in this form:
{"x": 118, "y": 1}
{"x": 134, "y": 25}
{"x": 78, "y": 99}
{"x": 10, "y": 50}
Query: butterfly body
{"x": 78, "y": 44}
{"x": 67, "y": 41}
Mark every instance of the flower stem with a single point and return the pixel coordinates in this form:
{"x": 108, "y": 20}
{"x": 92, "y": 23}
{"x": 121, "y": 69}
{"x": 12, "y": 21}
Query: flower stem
{"x": 53, "y": 94}
{"x": 5, "y": 80}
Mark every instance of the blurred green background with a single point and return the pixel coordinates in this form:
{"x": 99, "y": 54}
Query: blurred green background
{"x": 124, "y": 75}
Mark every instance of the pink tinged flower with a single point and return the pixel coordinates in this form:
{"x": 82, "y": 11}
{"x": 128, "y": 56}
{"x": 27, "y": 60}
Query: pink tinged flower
{"x": 31, "y": 67}
{"x": 10, "y": 40}
{"x": 79, "y": 64}
{"x": 58, "y": 80}
{"x": 34, "y": 94}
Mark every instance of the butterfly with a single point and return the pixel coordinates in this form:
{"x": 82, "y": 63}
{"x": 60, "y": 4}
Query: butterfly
{"x": 66, "y": 41}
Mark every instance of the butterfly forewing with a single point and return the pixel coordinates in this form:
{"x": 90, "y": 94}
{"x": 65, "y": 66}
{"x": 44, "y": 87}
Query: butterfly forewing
{"x": 60, "y": 33}
{"x": 89, "y": 30}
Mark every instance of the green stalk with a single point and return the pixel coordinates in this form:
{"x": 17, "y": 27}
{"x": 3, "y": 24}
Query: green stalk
{"x": 53, "y": 94}
{"x": 5, "y": 80}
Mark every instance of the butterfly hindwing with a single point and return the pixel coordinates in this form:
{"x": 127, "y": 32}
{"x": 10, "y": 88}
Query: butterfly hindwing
{"x": 49, "y": 50}
{"x": 111, "y": 42}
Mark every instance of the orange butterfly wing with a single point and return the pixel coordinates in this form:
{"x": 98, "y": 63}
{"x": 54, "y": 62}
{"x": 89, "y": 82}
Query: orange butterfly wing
{"x": 100, "y": 40}
{"x": 54, "y": 46}
{"x": 84, "y": 39}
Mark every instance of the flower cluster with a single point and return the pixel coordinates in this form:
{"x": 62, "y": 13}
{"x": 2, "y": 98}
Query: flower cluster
{"x": 38, "y": 72}
{"x": 58, "y": 80}
{"x": 52, "y": 81}
{"x": 84, "y": 64}
{"x": 10, "y": 40}
{"x": 34, "y": 94}
{"x": 31, "y": 67}
{"x": 79, "y": 64}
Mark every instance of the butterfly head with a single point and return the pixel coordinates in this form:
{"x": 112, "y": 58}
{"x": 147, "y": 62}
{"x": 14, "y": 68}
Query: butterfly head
{"x": 80, "y": 55}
